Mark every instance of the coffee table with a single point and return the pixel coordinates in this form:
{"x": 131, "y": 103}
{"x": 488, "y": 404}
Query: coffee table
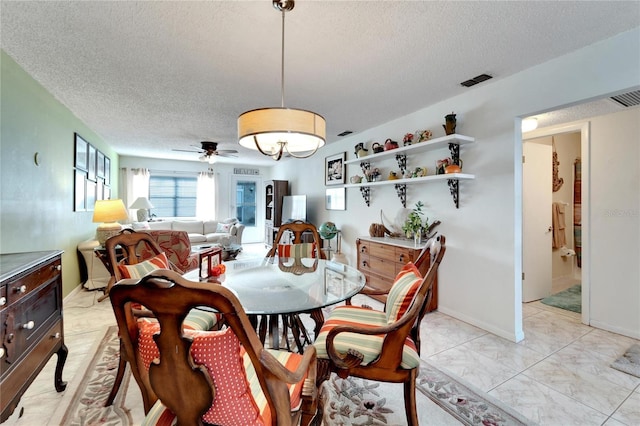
{"x": 231, "y": 251}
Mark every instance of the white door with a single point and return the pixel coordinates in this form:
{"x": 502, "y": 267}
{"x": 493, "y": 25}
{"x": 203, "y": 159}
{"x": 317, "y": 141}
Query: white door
{"x": 245, "y": 201}
{"x": 536, "y": 238}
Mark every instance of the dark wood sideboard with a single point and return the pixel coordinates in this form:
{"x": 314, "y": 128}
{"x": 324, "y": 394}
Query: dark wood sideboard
{"x": 380, "y": 259}
{"x": 31, "y": 328}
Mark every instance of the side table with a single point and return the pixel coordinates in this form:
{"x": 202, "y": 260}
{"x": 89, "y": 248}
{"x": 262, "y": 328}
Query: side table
{"x": 208, "y": 257}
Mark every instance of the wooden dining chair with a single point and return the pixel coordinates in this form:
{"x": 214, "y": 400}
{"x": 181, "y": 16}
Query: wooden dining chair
{"x": 290, "y": 255}
{"x": 381, "y": 345}
{"x": 224, "y": 376}
{"x": 132, "y": 255}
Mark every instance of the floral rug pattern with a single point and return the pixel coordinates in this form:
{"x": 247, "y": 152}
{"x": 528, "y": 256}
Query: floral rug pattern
{"x": 358, "y": 402}
{"x": 87, "y": 406}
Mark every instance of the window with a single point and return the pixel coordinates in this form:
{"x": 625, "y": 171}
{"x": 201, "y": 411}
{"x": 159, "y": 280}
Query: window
{"x": 246, "y": 202}
{"x": 173, "y": 196}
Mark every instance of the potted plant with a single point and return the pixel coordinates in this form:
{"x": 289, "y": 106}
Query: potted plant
{"x": 414, "y": 225}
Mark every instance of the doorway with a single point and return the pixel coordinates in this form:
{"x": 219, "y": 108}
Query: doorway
{"x": 245, "y": 199}
{"x": 567, "y": 193}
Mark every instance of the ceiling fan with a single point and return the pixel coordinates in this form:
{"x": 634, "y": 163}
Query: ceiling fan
{"x": 209, "y": 151}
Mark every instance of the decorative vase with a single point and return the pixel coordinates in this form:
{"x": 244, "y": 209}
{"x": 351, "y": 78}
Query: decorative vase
{"x": 417, "y": 239}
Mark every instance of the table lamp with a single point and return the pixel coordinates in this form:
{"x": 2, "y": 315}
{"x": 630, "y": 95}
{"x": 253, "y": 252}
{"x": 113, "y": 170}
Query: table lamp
{"x": 143, "y": 205}
{"x": 107, "y": 213}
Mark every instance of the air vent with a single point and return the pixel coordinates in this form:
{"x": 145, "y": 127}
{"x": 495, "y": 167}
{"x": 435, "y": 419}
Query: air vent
{"x": 475, "y": 80}
{"x": 345, "y": 133}
{"x": 628, "y": 99}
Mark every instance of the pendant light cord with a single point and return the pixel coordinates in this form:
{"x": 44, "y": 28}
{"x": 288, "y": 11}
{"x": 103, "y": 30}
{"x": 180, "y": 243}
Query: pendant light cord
{"x": 282, "y": 62}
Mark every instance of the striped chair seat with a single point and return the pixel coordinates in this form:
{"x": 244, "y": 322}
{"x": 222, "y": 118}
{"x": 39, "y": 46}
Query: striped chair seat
{"x": 159, "y": 415}
{"x": 369, "y": 346}
{"x": 197, "y": 319}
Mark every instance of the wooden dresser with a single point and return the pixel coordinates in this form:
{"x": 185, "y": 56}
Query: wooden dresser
{"x": 380, "y": 259}
{"x": 31, "y": 329}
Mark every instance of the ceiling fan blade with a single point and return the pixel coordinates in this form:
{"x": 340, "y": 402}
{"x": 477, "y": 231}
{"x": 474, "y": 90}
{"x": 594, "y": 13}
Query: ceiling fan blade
{"x": 227, "y": 151}
{"x": 186, "y": 150}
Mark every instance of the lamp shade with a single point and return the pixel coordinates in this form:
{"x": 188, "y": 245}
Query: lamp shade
{"x": 109, "y": 211}
{"x": 267, "y": 129}
{"x": 141, "y": 203}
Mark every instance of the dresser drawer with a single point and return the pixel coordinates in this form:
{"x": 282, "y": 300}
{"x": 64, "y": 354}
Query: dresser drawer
{"x": 23, "y": 285}
{"x": 383, "y": 267}
{"x": 404, "y": 255}
{"x": 384, "y": 251}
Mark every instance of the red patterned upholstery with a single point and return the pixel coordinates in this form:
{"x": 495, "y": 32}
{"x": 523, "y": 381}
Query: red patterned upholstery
{"x": 177, "y": 247}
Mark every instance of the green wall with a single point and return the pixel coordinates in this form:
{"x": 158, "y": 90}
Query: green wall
{"x": 36, "y": 201}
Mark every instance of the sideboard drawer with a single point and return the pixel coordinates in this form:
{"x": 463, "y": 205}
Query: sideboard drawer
{"x": 23, "y": 285}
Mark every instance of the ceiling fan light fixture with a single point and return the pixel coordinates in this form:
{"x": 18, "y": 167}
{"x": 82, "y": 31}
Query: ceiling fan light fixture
{"x": 274, "y": 131}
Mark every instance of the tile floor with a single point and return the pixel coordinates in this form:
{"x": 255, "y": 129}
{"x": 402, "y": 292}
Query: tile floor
{"x": 559, "y": 375}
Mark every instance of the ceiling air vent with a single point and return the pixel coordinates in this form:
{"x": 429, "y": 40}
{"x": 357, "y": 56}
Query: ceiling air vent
{"x": 345, "y": 133}
{"x": 628, "y": 99}
{"x": 475, "y": 80}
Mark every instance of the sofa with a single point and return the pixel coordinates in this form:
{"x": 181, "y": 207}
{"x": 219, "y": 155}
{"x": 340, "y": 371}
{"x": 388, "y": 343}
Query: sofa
{"x": 225, "y": 232}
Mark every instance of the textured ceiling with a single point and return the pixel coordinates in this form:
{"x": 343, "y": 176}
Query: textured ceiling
{"x": 150, "y": 77}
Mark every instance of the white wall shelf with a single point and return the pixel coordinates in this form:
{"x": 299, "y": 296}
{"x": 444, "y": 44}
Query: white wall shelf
{"x": 452, "y": 141}
{"x": 429, "y": 145}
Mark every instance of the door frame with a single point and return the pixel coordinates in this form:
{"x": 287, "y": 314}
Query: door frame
{"x": 584, "y": 127}
{"x": 256, "y": 236}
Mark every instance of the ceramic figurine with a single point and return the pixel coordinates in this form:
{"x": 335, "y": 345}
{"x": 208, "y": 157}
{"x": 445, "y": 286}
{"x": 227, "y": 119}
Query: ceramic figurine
{"x": 389, "y": 144}
{"x": 360, "y": 150}
{"x": 450, "y": 124}
{"x": 376, "y": 147}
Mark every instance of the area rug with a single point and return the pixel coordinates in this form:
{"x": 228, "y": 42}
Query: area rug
{"x": 441, "y": 398}
{"x": 629, "y": 362}
{"x": 569, "y": 299}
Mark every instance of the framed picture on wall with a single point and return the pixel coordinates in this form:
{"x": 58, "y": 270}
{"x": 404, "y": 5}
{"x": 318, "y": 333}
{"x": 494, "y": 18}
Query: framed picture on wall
{"x": 91, "y": 194}
{"x": 334, "y": 169}
{"x": 81, "y": 153}
{"x": 79, "y": 191}
{"x": 100, "y": 166}
{"x": 107, "y": 171}
{"x": 91, "y": 165}
{"x": 335, "y": 199}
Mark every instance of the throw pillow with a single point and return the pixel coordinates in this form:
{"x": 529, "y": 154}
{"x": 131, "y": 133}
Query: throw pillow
{"x": 220, "y": 353}
{"x": 297, "y": 251}
{"x": 402, "y": 292}
{"x": 141, "y": 269}
{"x": 140, "y": 225}
{"x": 230, "y": 220}
{"x": 223, "y": 227}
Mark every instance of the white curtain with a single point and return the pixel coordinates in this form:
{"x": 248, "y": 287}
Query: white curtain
{"x": 206, "y": 196}
{"x": 134, "y": 184}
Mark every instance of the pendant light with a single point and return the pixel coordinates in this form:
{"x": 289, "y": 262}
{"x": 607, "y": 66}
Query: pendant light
{"x": 272, "y": 131}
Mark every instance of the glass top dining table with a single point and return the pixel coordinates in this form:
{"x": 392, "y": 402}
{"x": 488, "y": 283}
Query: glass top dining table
{"x": 280, "y": 286}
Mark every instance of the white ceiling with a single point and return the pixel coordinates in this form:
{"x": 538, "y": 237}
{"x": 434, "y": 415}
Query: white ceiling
{"x": 151, "y": 76}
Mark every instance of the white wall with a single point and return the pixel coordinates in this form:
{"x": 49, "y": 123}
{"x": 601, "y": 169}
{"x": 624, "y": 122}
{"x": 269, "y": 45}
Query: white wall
{"x": 480, "y": 278}
{"x": 615, "y": 217}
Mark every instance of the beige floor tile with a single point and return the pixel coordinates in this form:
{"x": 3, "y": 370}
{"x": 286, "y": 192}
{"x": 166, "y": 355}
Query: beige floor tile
{"x": 629, "y": 411}
{"x": 545, "y": 406}
{"x": 512, "y": 355}
{"x": 558, "y": 373}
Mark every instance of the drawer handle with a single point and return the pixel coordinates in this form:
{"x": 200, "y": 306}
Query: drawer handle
{"x": 29, "y": 325}
{"x": 2, "y": 352}
{"x": 364, "y": 263}
{"x": 401, "y": 259}
{"x": 363, "y": 249}
{"x": 58, "y": 267}
{"x": 56, "y": 336}
{"x": 3, "y": 301}
{"x": 22, "y": 289}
